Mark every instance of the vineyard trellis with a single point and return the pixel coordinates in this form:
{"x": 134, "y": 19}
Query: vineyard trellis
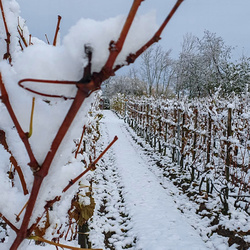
{"x": 209, "y": 138}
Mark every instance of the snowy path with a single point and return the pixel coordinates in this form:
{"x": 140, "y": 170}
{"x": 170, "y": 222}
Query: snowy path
{"x": 155, "y": 221}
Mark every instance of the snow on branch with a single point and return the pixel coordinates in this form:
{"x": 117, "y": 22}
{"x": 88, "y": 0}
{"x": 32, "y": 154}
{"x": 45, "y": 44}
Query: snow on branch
{"x": 86, "y": 62}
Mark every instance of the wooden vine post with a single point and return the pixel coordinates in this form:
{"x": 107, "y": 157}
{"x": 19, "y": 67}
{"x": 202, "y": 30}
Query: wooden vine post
{"x": 159, "y": 129}
{"x": 194, "y": 146}
{"x": 175, "y": 143}
{"x": 178, "y": 134}
{"x": 229, "y": 134}
{"x": 85, "y": 86}
{"x": 195, "y": 134}
{"x": 183, "y": 139}
{"x": 209, "y": 136}
{"x": 147, "y": 123}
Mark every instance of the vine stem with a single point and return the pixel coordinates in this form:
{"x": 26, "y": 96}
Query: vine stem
{"x": 116, "y": 47}
{"x": 8, "y": 223}
{"x": 58, "y": 245}
{"x": 39, "y": 175}
{"x": 5, "y": 99}
{"x": 20, "y": 32}
{"x": 72, "y": 182}
{"x": 91, "y": 166}
{"x": 80, "y": 142}
{"x": 7, "y": 55}
{"x": 3, "y": 141}
{"x": 156, "y": 37}
{"x": 57, "y": 30}
{"x": 31, "y": 117}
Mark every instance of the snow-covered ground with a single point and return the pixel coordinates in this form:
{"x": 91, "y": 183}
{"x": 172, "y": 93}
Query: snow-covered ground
{"x": 134, "y": 209}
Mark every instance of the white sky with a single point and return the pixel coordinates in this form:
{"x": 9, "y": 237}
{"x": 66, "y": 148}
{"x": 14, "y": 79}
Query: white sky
{"x": 229, "y": 19}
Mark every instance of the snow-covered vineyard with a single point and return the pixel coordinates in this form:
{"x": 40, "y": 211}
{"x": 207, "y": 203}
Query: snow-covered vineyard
{"x": 210, "y": 137}
{"x": 136, "y": 207}
{"x": 202, "y": 146}
{"x": 152, "y": 175}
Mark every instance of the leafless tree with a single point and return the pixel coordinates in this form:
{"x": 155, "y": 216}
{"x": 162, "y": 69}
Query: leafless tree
{"x": 201, "y": 66}
{"x": 126, "y": 84}
{"x": 155, "y": 69}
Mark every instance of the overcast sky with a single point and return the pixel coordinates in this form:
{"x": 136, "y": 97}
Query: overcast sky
{"x": 229, "y": 19}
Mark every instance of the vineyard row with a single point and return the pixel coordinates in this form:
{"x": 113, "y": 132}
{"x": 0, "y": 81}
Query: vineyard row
{"x": 209, "y": 138}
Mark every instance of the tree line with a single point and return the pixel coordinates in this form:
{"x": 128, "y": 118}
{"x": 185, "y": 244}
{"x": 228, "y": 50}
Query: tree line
{"x": 203, "y": 67}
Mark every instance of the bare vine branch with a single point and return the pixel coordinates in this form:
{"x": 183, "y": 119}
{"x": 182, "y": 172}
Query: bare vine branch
{"x": 14, "y": 162}
{"x": 9, "y": 223}
{"x": 92, "y": 165}
{"x": 132, "y": 57}
{"x": 57, "y": 30}
{"x": 20, "y": 32}
{"x": 7, "y": 55}
{"x": 5, "y": 99}
{"x": 80, "y": 142}
{"x": 30, "y": 42}
{"x": 37, "y": 238}
{"x": 20, "y": 83}
{"x": 116, "y": 47}
{"x": 47, "y": 39}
